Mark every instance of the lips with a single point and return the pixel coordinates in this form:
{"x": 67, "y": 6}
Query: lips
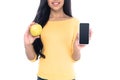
{"x": 55, "y": 3}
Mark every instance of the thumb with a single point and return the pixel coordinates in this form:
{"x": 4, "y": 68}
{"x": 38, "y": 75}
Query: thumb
{"x": 76, "y": 39}
{"x": 77, "y": 36}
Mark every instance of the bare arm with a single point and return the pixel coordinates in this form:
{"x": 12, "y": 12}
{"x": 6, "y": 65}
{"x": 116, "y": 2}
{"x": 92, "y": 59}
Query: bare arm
{"x": 28, "y": 40}
{"x": 30, "y": 53}
{"x": 76, "y": 55}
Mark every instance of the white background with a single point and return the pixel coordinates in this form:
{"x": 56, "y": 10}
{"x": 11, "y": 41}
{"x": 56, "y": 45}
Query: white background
{"x": 100, "y": 60}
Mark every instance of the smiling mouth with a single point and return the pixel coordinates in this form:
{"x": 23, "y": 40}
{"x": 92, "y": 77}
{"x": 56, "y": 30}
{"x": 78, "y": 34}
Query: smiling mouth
{"x": 55, "y": 3}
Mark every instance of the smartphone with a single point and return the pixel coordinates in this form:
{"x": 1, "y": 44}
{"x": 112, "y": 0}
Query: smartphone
{"x": 84, "y": 33}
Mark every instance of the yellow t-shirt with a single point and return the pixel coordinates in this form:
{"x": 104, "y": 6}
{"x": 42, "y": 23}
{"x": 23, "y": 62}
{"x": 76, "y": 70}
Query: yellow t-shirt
{"x": 58, "y": 38}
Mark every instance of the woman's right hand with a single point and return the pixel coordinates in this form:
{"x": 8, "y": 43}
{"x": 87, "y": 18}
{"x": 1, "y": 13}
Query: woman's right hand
{"x": 28, "y": 38}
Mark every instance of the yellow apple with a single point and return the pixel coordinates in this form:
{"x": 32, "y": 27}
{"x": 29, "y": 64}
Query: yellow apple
{"x": 36, "y": 29}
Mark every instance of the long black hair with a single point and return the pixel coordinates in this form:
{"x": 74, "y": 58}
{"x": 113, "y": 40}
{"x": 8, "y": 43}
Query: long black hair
{"x": 42, "y": 17}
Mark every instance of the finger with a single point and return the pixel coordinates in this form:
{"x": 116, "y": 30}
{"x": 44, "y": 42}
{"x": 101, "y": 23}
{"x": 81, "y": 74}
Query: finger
{"x": 82, "y": 45}
{"x": 37, "y": 37}
{"x": 32, "y": 23}
{"x": 90, "y": 33}
{"x": 77, "y": 37}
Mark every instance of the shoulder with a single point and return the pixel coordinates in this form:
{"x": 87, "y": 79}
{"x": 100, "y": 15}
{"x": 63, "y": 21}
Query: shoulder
{"x": 76, "y": 20}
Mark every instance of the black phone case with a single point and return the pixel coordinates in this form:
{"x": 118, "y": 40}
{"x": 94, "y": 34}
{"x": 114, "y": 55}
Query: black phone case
{"x": 84, "y": 33}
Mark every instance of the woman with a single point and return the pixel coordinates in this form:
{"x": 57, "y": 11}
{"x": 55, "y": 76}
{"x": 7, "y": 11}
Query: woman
{"x": 57, "y": 45}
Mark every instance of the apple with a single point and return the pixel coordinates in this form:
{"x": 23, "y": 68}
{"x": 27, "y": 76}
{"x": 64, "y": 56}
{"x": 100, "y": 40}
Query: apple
{"x": 36, "y": 30}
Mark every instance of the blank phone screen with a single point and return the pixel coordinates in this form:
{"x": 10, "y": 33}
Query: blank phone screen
{"x": 84, "y": 33}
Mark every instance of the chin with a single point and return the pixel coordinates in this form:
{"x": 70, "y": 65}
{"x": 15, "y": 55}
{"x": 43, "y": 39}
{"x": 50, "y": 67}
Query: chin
{"x": 56, "y": 9}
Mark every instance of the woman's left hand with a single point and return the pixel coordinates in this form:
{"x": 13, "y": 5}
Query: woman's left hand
{"x": 77, "y": 47}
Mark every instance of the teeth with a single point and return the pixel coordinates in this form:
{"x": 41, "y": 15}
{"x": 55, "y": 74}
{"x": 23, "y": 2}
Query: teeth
{"x": 55, "y": 3}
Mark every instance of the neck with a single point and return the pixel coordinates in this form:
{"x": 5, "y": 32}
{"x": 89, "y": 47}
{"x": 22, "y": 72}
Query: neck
{"x": 57, "y": 14}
